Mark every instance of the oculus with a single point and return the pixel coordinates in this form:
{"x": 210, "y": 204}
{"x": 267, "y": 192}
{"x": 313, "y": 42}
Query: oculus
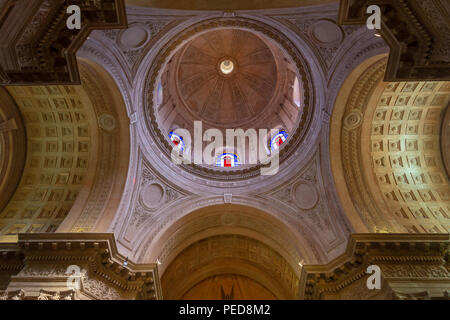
{"x": 226, "y": 66}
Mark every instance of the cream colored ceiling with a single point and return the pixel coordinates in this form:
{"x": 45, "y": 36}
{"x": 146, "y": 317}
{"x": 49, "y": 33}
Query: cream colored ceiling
{"x": 406, "y": 154}
{"x": 386, "y": 156}
{"x": 73, "y": 177}
{"x": 59, "y": 143}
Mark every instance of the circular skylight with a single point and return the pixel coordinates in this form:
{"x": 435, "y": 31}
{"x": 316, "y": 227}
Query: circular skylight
{"x": 227, "y": 66}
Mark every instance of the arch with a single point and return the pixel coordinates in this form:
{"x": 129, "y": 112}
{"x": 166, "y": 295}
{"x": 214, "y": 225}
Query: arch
{"x": 229, "y": 254}
{"x": 96, "y": 207}
{"x": 336, "y": 156}
{"x": 218, "y": 219}
{"x": 242, "y": 227}
{"x": 12, "y": 148}
{"x": 70, "y": 181}
{"x": 383, "y": 135}
{"x": 362, "y": 204}
{"x": 61, "y": 136}
{"x": 405, "y": 154}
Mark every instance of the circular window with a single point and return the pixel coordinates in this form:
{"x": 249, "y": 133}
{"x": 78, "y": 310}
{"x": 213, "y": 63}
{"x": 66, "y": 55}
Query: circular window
{"x": 226, "y": 66}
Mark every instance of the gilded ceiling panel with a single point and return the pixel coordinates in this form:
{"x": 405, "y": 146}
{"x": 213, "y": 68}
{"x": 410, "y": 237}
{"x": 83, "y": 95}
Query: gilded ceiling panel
{"x": 406, "y": 154}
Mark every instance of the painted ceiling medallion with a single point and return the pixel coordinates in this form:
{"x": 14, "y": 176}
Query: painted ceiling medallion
{"x": 152, "y": 195}
{"x": 305, "y": 195}
{"x": 326, "y": 33}
{"x": 134, "y": 37}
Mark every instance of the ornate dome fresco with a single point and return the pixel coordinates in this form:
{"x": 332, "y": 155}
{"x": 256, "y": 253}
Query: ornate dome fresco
{"x": 228, "y": 78}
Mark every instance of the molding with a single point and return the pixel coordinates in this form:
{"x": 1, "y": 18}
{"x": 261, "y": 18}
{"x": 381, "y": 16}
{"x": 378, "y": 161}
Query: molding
{"x": 47, "y": 256}
{"x": 417, "y": 31}
{"x": 414, "y": 258}
{"x": 13, "y": 146}
{"x": 38, "y": 48}
{"x": 445, "y": 140}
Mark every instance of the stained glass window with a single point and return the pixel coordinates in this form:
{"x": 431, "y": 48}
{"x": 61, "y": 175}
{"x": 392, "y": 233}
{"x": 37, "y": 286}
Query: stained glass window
{"x": 159, "y": 93}
{"x": 177, "y": 141}
{"x": 278, "y": 140}
{"x": 296, "y": 93}
{"x": 227, "y": 160}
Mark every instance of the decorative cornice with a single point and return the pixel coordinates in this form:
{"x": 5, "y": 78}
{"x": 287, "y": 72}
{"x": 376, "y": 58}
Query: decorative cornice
{"x": 47, "y": 255}
{"x": 40, "y": 49}
{"x": 400, "y": 256}
{"x": 416, "y": 31}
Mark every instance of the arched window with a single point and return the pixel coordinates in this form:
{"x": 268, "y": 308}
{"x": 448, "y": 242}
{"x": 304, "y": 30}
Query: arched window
{"x": 278, "y": 140}
{"x": 159, "y": 93}
{"x": 177, "y": 141}
{"x": 227, "y": 159}
{"x": 296, "y": 93}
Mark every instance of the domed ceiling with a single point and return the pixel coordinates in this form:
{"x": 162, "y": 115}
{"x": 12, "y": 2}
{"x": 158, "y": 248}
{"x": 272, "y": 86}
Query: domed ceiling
{"x": 226, "y": 77}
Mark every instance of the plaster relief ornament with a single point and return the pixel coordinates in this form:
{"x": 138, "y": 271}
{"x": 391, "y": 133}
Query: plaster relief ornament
{"x": 152, "y": 195}
{"x": 353, "y": 120}
{"x": 19, "y": 295}
{"x": 305, "y": 195}
{"x": 107, "y": 122}
{"x": 42, "y": 296}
